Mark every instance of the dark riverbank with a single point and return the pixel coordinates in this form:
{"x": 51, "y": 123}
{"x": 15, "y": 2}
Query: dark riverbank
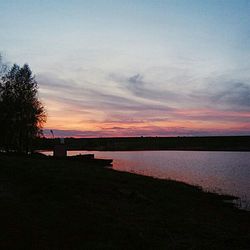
{"x": 57, "y": 204}
{"x": 212, "y": 143}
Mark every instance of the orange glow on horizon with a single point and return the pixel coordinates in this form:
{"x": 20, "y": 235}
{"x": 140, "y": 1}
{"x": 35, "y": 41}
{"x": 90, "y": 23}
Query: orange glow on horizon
{"x": 172, "y": 122}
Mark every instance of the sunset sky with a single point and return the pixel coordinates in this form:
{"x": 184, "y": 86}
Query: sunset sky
{"x": 135, "y": 67}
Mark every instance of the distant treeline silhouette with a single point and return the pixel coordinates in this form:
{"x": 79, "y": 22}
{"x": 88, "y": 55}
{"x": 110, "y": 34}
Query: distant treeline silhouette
{"x": 219, "y": 143}
{"x": 22, "y": 114}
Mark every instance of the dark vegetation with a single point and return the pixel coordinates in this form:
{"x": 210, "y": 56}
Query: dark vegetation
{"x": 47, "y": 203}
{"x": 22, "y": 114}
{"x": 224, "y": 143}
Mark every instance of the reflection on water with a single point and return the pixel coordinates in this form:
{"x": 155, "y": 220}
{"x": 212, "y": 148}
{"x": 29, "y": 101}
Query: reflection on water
{"x": 224, "y": 172}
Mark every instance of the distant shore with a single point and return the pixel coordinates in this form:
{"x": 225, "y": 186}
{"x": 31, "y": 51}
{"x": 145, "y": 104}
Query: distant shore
{"x": 212, "y": 143}
{"x": 59, "y": 204}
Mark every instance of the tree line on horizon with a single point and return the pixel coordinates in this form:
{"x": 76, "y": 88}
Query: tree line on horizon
{"x": 22, "y": 114}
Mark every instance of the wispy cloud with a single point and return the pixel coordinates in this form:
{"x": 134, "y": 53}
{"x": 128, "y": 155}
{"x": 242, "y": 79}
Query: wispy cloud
{"x": 134, "y": 107}
{"x": 234, "y": 93}
{"x": 138, "y": 87}
{"x": 224, "y": 95}
{"x": 73, "y": 94}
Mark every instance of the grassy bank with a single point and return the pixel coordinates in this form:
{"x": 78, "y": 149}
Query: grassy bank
{"x": 57, "y": 204}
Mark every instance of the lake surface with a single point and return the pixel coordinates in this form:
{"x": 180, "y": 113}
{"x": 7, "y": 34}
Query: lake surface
{"x": 222, "y": 172}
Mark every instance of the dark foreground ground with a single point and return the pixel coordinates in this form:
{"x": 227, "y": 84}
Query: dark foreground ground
{"x": 57, "y": 204}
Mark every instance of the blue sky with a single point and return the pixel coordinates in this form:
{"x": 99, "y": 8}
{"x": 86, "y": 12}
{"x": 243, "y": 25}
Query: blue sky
{"x": 135, "y": 67}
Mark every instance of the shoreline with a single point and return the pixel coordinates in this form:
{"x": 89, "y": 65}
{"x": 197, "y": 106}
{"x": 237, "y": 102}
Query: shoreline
{"x": 73, "y": 205}
{"x": 242, "y": 200}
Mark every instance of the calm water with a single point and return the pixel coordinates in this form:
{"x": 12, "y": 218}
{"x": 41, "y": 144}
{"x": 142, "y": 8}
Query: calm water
{"x": 223, "y": 172}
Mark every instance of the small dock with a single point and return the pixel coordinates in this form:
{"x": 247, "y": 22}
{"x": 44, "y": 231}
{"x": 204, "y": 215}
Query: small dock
{"x": 90, "y": 158}
{"x": 60, "y": 151}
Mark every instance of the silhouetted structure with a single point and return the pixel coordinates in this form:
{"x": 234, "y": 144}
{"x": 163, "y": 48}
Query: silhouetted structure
{"x": 60, "y": 150}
